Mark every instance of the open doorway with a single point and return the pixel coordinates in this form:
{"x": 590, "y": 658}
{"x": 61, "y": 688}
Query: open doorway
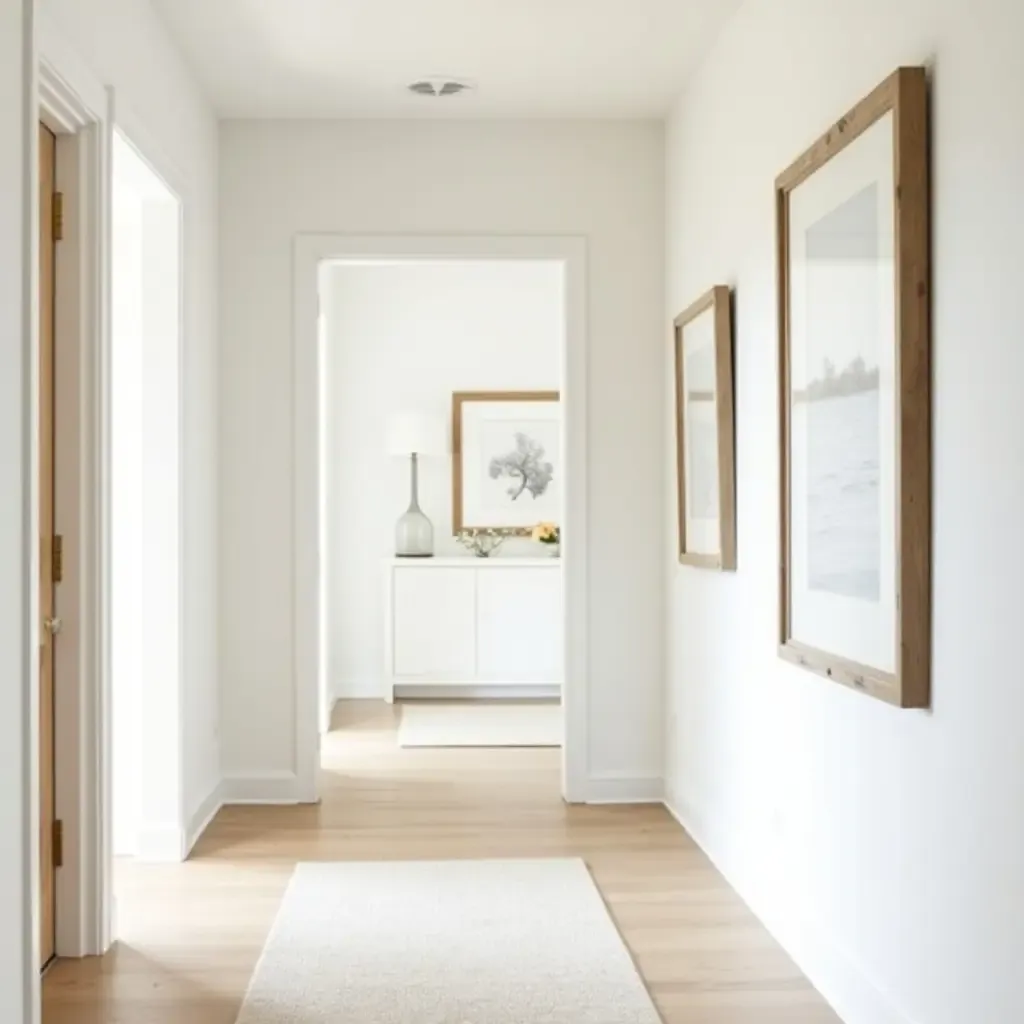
{"x": 510, "y": 627}
{"x": 145, "y": 513}
{"x": 443, "y": 469}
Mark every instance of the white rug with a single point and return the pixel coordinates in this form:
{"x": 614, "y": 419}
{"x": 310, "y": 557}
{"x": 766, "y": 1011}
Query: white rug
{"x": 480, "y": 725}
{"x": 447, "y": 942}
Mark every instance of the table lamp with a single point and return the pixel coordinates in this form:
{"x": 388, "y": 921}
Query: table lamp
{"x": 412, "y": 435}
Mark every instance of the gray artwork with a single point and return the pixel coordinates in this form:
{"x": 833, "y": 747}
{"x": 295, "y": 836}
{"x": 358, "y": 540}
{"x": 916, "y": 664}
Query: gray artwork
{"x": 525, "y": 467}
{"x": 839, "y": 406}
{"x": 701, "y": 432}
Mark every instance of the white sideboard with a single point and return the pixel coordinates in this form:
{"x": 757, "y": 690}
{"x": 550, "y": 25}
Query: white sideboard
{"x": 473, "y": 626}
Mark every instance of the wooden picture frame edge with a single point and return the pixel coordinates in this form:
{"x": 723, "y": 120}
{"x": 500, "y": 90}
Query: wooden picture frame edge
{"x": 459, "y": 398}
{"x": 905, "y": 93}
{"x": 718, "y": 299}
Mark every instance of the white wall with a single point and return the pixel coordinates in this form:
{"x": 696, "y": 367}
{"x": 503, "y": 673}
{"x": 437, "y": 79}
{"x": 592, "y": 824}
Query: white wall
{"x": 601, "y": 180}
{"x": 886, "y": 847}
{"x": 126, "y": 556}
{"x": 148, "y": 757}
{"x": 403, "y": 337}
{"x": 16, "y": 885}
{"x": 125, "y": 45}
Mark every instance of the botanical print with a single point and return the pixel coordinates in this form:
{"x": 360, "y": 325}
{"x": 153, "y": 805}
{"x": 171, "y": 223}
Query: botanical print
{"x": 517, "y": 468}
{"x": 525, "y": 466}
{"x": 509, "y": 470}
{"x": 837, "y": 411}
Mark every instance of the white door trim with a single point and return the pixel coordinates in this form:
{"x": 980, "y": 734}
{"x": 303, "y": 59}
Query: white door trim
{"x": 78, "y": 108}
{"x": 311, "y": 252}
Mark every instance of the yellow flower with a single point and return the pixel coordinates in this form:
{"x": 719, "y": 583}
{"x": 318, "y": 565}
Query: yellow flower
{"x": 545, "y": 532}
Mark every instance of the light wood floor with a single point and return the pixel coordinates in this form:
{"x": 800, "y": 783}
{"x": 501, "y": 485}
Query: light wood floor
{"x": 191, "y": 933}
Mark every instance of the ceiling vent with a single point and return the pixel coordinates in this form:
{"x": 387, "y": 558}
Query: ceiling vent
{"x": 440, "y": 87}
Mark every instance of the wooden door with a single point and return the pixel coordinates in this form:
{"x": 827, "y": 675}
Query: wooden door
{"x": 49, "y": 624}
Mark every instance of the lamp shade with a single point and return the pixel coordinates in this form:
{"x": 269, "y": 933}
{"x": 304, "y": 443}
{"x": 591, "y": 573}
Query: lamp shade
{"x": 419, "y": 433}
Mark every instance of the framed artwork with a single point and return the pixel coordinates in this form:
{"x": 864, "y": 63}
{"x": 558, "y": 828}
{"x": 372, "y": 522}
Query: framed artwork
{"x": 507, "y": 460}
{"x": 854, "y": 402}
{"x": 705, "y": 447}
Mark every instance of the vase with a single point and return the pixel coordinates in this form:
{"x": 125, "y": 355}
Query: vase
{"x": 553, "y": 550}
{"x": 414, "y": 534}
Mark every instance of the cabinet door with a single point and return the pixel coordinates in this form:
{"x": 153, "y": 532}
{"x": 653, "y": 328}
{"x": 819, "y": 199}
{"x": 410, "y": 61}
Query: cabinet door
{"x": 519, "y": 625}
{"x": 433, "y": 623}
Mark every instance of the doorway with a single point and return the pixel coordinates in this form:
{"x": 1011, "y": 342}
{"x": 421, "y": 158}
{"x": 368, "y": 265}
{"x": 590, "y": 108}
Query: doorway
{"x": 49, "y": 545}
{"x": 315, "y": 257}
{"x": 145, "y": 512}
{"x": 434, "y": 404}
{"x": 97, "y": 167}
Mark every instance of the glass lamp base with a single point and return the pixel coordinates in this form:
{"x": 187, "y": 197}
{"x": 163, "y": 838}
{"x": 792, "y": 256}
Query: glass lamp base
{"x": 414, "y": 536}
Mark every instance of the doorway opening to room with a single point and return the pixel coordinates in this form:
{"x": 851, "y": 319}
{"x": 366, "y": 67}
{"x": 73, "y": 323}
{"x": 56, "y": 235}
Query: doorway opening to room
{"x": 448, "y": 378}
{"x": 145, "y": 518}
{"x": 442, "y": 462}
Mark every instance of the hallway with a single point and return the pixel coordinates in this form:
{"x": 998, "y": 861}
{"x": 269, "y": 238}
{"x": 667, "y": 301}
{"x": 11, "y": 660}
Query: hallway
{"x": 193, "y": 932}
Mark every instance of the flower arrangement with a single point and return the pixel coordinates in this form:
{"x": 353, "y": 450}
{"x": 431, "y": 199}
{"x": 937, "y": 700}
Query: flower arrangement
{"x": 547, "y": 533}
{"x": 481, "y": 542}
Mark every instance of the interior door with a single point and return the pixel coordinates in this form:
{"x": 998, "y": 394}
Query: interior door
{"x": 49, "y": 624}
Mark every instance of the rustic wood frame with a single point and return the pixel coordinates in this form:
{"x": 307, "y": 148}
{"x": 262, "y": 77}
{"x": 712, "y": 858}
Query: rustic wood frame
{"x": 459, "y": 399}
{"x": 719, "y": 300}
{"x": 905, "y": 94}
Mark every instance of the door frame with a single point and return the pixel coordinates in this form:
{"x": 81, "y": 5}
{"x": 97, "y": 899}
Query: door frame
{"x": 166, "y": 841}
{"x": 73, "y": 104}
{"x": 311, "y": 252}
{"x": 69, "y": 99}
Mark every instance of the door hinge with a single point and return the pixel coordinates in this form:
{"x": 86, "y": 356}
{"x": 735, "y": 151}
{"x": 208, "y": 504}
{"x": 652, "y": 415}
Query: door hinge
{"x": 58, "y": 844}
{"x": 57, "y": 559}
{"x": 58, "y": 216}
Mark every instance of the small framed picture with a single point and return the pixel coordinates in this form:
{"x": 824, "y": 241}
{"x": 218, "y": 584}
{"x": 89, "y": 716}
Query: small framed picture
{"x": 855, "y": 407}
{"x": 705, "y": 447}
{"x": 507, "y": 460}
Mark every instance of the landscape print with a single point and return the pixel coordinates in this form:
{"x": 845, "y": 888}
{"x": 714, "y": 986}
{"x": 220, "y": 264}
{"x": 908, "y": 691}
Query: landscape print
{"x": 836, "y": 414}
{"x": 843, "y": 510}
{"x": 701, "y": 434}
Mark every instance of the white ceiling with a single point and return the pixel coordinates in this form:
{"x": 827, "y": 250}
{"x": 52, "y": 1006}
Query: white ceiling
{"x": 529, "y": 58}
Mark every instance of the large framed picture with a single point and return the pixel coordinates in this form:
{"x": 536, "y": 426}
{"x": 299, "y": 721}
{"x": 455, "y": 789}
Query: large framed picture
{"x": 507, "y": 450}
{"x": 705, "y": 447}
{"x": 855, "y": 407}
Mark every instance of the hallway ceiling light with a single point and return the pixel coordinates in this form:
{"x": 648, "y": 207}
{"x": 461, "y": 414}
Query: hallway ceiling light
{"x": 440, "y": 87}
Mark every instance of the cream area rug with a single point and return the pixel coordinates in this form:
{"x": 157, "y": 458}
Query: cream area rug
{"x": 445, "y": 942}
{"x": 480, "y": 725}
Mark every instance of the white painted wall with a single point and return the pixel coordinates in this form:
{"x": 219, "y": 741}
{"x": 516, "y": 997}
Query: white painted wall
{"x": 148, "y": 754}
{"x": 885, "y": 847}
{"x": 125, "y": 45}
{"x": 126, "y": 556}
{"x": 402, "y": 337}
{"x": 599, "y": 179}
{"x": 17, "y": 886}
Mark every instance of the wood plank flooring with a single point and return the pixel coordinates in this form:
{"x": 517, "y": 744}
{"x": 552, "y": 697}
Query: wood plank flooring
{"x": 191, "y": 933}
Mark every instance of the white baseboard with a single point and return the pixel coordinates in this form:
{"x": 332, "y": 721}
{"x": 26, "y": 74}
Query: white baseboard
{"x": 623, "y": 788}
{"x": 358, "y": 689}
{"x": 841, "y": 982}
{"x": 427, "y": 691}
{"x": 204, "y": 813}
{"x": 263, "y": 788}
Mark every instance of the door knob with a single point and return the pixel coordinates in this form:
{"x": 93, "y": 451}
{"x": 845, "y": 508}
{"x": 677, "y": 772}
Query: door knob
{"x": 52, "y": 626}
